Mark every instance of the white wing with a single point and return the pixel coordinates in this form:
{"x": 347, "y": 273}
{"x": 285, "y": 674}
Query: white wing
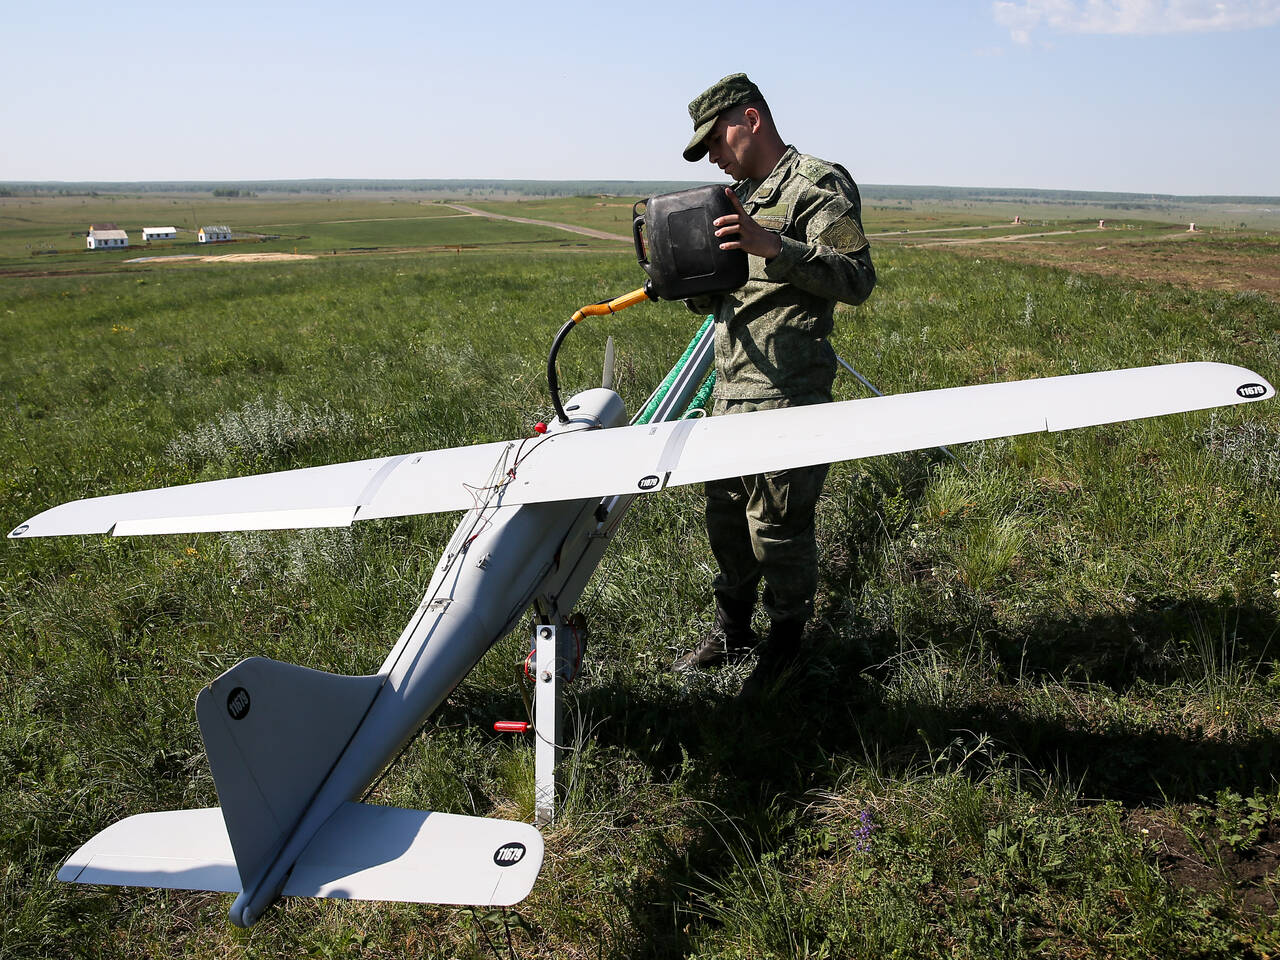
{"x": 311, "y": 497}
{"x": 364, "y": 852}
{"x": 638, "y": 459}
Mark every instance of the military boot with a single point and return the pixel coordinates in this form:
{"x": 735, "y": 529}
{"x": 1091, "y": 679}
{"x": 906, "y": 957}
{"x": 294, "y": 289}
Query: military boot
{"x": 730, "y": 638}
{"x": 779, "y": 654}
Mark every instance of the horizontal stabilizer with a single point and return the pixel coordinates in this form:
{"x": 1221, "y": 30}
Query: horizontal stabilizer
{"x": 363, "y": 852}
{"x": 177, "y": 850}
{"x": 366, "y": 852}
{"x": 582, "y": 464}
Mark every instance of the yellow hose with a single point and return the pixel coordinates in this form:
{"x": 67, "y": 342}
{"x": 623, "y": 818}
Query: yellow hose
{"x": 611, "y": 306}
{"x": 594, "y": 310}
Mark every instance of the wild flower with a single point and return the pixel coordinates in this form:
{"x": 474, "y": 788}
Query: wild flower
{"x": 291, "y": 560}
{"x": 1028, "y": 311}
{"x": 866, "y": 827}
{"x": 257, "y": 429}
{"x": 1251, "y": 444}
{"x": 1253, "y": 297}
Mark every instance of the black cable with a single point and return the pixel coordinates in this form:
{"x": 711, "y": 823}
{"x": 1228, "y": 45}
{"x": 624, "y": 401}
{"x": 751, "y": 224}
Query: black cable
{"x": 553, "y": 381}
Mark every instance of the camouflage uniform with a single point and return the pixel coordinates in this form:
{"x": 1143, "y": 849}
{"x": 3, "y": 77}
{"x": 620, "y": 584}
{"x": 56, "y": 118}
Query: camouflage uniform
{"x": 771, "y": 351}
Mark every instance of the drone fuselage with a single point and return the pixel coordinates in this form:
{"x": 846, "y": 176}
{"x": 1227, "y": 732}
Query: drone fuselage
{"x": 498, "y": 562}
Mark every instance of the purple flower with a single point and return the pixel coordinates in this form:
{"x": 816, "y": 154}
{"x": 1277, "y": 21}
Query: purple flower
{"x": 866, "y": 827}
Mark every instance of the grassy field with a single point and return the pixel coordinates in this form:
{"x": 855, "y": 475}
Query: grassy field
{"x": 1041, "y": 716}
{"x": 612, "y": 214}
{"x": 882, "y": 204}
{"x": 30, "y": 228}
{"x": 41, "y": 223}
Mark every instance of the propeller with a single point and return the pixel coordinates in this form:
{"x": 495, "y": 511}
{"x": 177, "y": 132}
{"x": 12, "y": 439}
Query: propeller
{"x": 607, "y": 379}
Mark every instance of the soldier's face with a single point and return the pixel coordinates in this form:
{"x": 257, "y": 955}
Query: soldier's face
{"x": 729, "y": 145}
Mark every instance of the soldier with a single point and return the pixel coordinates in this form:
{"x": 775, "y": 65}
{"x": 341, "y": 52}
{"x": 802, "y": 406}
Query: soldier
{"x": 799, "y": 220}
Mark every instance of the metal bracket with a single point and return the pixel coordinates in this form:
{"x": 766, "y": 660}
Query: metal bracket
{"x": 546, "y": 722}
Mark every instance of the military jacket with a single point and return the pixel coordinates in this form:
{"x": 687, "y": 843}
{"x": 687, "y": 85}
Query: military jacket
{"x": 771, "y": 333}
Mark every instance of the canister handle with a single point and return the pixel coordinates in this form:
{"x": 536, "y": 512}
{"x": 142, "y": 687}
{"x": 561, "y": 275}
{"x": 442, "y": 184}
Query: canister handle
{"x": 637, "y": 224}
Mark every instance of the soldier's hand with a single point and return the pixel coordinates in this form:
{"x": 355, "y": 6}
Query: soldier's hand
{"x": 743, "y": 233}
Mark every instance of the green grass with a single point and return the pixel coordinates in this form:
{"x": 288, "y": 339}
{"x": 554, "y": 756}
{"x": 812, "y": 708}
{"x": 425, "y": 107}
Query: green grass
{"x": 1061, "y": 230}
{"x": 890, "y": 212}
{"x": 431, "y": 232}
{"x": 1041, "y": 715}
{"x": 612, "y": 214}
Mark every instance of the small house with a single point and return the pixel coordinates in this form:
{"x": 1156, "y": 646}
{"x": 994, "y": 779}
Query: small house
{"x": 214, "y": 234}
{"x": 159, "y": 233}
{"x": 106, "y": 236}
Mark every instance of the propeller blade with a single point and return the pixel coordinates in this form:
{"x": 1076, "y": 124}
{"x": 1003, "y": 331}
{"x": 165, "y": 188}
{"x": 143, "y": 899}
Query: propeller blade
{"x": 607, "y": 380}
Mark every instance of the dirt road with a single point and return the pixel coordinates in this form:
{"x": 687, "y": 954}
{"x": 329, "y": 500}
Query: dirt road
{"x": 908, "y": 237}
{"x": 572, "y": 228}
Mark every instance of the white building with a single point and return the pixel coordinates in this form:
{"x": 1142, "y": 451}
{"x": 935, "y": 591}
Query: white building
{"x": 106, "y": 236}
{"x": 214, "y": 234}
{"x": 159, "y": 233}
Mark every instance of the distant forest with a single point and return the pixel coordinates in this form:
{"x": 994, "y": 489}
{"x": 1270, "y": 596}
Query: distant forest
{"x": 245, "y": 188}
{"x": 1023, "y": 195}
{"x": 569, "y": 188}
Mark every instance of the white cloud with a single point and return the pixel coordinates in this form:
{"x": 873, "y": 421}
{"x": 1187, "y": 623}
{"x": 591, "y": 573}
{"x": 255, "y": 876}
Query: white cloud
{"x": 1133, "y": 17}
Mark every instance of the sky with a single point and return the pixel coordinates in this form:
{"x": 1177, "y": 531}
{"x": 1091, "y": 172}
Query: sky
{"x": 1159, "y": 96}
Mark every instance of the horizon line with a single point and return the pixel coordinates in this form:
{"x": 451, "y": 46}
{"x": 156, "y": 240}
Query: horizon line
{"x": 391, "y": 182}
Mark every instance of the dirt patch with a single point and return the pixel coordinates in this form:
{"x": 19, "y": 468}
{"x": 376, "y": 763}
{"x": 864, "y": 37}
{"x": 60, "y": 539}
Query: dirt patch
{"x": 1208, "y": 264}
{"x": 257, "y": 257}
{"x": 1197, "y": 861}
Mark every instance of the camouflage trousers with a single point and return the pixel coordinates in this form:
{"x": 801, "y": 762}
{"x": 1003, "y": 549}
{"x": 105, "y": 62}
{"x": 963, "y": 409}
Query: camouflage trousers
{"x": 762, "y": 527}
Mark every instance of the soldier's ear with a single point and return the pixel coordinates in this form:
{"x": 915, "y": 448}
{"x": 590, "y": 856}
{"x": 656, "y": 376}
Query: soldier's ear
{"x": 751, "y": 117}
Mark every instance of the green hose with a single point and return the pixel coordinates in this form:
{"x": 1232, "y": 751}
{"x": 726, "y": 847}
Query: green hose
{"x": 647, "y": 413}
{"x": 699, "y": 401}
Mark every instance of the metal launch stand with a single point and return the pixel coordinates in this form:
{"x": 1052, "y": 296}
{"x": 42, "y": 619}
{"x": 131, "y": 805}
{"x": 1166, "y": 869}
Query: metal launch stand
{"x": 668, "y": 402}
{"x": 546, "y": 722}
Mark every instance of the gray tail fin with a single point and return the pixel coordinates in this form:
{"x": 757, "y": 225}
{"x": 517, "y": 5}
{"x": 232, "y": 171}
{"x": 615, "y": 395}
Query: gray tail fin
{"x": 272, "y": 732}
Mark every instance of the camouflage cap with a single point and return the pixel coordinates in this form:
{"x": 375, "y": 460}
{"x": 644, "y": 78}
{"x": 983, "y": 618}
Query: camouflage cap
{"x": 732, "y": 91}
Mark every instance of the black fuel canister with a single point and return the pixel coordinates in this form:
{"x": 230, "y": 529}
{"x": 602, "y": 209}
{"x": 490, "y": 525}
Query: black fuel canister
{"x": 683, "y": 256}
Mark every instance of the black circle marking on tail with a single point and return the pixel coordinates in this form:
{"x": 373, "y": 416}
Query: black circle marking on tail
{"x": 238, "y": 703}
{"x": 509, "y": 854}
